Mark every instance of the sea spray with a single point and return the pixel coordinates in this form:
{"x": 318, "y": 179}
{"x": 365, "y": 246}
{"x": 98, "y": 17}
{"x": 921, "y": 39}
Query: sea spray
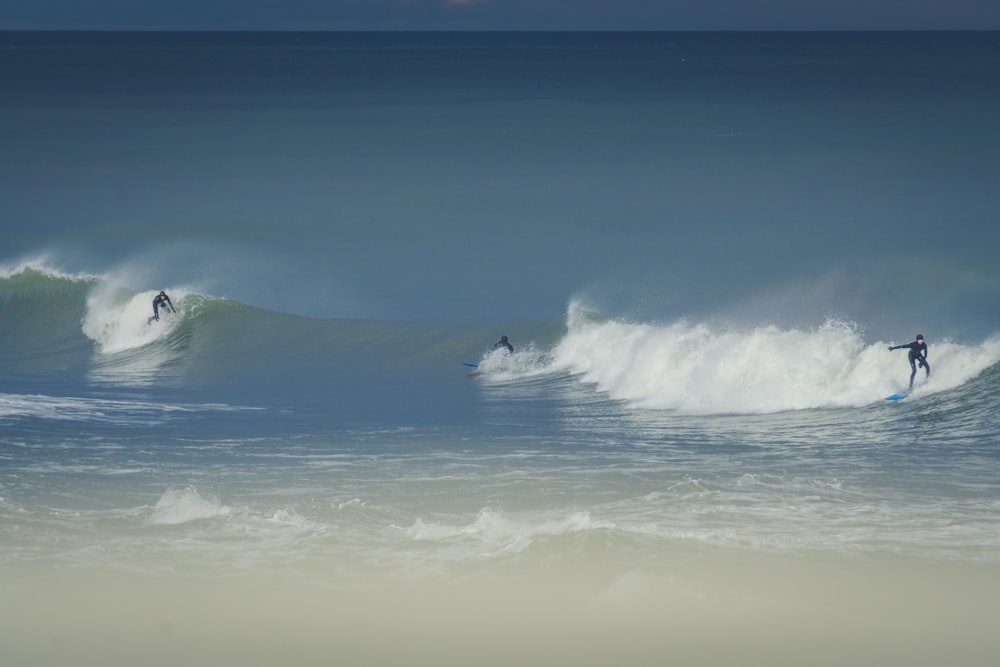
{"x": 701, "y": 368}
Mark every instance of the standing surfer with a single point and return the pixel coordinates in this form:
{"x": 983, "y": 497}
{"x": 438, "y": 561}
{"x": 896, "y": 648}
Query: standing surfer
{"x": 918, "y": 355}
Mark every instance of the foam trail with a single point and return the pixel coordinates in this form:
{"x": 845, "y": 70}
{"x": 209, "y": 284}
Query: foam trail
{"x": 698, "y": 368}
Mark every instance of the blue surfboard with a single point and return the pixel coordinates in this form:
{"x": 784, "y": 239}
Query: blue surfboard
{"x": 896, "y": 397}
{"x": 473, "y": 365}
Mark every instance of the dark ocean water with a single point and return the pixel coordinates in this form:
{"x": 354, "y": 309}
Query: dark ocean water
{"x": 701, "y": 246}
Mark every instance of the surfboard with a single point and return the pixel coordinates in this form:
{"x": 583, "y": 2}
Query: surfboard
{"x": 468, "y": 364}
{"x": 896, "y": 397}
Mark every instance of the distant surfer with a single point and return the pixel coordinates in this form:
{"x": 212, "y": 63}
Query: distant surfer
{"x": 504, "y": 344}
{"x": 161, "y": 300}
{"x": 918, "y": 356}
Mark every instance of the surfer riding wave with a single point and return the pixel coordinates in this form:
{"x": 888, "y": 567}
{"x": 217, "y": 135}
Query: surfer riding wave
{"x": 161, "y": 300}
{"x": 918, "y": 356}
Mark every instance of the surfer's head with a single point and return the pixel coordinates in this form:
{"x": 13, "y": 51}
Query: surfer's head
{"x": 920, "y": 337}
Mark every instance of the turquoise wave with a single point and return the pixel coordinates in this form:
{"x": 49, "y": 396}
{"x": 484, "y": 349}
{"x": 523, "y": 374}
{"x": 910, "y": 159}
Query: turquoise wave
{"x": 50, "y": 321}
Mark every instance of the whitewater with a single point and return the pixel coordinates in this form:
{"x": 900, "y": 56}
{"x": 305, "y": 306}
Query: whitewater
{"x": 698, "y": 368}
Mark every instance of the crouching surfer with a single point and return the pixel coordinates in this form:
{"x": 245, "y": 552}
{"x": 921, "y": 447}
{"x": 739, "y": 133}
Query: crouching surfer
{"x": 161, "y": 300}
{"x": 504, "y": 344}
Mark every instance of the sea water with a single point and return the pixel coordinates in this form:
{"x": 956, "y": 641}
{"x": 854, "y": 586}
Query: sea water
{"x": 701, "y": 246}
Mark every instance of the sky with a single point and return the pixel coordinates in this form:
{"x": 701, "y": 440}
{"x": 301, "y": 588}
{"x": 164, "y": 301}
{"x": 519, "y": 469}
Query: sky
{"x": 500, "y": 15}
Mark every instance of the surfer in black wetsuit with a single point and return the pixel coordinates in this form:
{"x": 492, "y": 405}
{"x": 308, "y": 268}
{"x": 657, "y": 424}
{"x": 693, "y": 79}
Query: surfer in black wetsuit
{"x": 503, "y": 343}
{"x": 161, "y": 301}
{"x": 918, "y": 355}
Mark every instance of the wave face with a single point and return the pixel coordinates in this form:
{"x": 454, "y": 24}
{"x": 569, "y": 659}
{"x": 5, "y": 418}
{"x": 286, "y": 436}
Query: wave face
{"x": 95, "y": 331}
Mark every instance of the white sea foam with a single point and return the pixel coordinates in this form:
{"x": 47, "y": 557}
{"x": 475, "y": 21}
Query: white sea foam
{"x": 70, "y": 408}
{"x": 177, "y": 506}
{"x": 74, "y": 408}
{"x": 703, "y": 369}
{"x": 500, "y": 365}
{"x": 496, "y": 532}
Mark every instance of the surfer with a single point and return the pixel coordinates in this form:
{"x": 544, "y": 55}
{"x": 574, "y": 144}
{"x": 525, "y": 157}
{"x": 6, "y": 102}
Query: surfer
{"x": 161, "y": 300}
{"x": 503, "y": 343}
{"x": 918, "y": 355}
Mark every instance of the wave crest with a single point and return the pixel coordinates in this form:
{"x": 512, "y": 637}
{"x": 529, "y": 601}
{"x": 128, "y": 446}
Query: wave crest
{"x": 698, "y": 368}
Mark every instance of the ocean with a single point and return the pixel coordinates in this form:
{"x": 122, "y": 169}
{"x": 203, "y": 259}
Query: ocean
{"x": 701, "y": 246}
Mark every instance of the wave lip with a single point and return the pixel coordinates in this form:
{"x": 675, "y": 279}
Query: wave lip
{"x": 38, "y": 270}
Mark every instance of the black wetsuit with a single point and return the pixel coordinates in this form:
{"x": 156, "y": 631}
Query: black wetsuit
{"x": 162, "y": 300}
{"x": 503, "y": 343}
{"x": 918, "y": 355}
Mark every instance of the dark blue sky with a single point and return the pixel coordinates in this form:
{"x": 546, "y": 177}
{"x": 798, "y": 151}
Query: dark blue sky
{"x": 501, "y": 14}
